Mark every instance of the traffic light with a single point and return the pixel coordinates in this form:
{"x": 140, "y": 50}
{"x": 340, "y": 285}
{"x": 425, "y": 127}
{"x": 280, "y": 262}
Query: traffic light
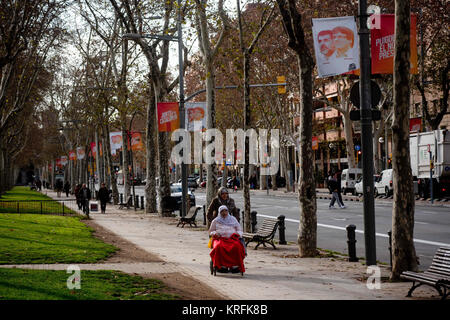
{"x": 282, "y": 87}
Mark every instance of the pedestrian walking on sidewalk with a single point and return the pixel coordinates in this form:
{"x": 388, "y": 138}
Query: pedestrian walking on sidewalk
{"x": 103, "y": 197}
{"x": 59, "y": 185}
{"x": 67, "y": 188}
{"x": 85, "y": 197}
{"x": 78, "y": 195}
{"x": 333, "y": 187}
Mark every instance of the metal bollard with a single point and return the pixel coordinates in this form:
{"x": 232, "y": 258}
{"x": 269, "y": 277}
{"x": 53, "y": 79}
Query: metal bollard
{"x": 281, "y": 229}
{"x": 351, "y": 243}
{"x": 142, "y": 203}
{"x": 121, "y": 197}
{"x": 204, "y": 215}
{"x": 136, "y": 202}
{"x": 254, "y": 222}
{"x": 390, "y": 247}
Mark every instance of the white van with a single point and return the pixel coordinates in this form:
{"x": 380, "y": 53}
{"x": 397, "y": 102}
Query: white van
{"x": 385, "y": 183}
{"x": 348, "y": 179}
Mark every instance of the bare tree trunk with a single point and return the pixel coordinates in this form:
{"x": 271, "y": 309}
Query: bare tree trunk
{"x": 150, "y": 186}
{"x": 164, "y": 175}
{"x": 403, "y": 251}
{"x": 292, "y": 21}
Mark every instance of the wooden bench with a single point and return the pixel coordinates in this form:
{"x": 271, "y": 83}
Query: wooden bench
{"x": 437, "y": 275}
{"x": 190, "y": 217}
{"x": 264, "y": 234}
{"x": 127, "y": 204}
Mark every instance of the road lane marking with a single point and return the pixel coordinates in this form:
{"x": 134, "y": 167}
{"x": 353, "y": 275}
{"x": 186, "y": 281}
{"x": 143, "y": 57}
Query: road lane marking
{"x": 433, "y": 243}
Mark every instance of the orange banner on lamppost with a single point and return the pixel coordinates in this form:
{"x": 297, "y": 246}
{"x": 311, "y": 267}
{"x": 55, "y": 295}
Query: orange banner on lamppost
{"x": 168, "y": 116}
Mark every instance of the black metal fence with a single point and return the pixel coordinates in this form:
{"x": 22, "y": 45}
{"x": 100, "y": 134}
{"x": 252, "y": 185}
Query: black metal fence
{"x": 53, "y": 207}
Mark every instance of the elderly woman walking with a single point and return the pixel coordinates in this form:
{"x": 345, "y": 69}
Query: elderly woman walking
{"x": 228, "y": 251}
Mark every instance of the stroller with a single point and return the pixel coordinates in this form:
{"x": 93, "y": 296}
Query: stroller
{"x": 234, "y": 257}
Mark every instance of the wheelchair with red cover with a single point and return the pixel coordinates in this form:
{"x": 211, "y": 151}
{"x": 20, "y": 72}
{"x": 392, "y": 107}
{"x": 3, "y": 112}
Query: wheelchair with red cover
{"x": 227, "y": 255}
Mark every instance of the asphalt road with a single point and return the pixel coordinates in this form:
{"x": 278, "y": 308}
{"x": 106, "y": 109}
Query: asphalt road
{"x": 432, "y": 223}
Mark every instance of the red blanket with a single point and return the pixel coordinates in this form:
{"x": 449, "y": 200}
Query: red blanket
{"x": 228, "y": 252}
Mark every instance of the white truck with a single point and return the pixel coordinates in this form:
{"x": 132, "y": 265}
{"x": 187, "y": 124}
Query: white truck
{"x": 431, "y": 151}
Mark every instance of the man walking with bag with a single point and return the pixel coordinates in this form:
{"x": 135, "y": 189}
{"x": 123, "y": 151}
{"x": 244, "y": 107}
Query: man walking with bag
{"x": 103, "y": 197}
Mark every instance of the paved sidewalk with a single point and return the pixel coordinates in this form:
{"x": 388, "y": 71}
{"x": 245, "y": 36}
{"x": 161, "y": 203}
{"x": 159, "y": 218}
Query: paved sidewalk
{"x": 270, "y": 275}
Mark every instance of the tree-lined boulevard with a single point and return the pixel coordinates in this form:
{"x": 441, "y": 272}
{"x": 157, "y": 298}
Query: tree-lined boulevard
{"x": 92, "y": 92}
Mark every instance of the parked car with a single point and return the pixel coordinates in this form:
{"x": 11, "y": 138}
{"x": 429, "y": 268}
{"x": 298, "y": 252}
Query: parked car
{"x": 385, "y": 183}
{"x": 348, "y": 179}
{"x": 176, "y": 192}
{"x": 192, "y": 182}
{"x": 359, "y": 184}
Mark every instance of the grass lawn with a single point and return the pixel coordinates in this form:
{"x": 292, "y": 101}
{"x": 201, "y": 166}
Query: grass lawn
{"x": 30, "y": 202}
{"x": 35, "y": 238}
{"x": 23, "y": 193}
{"x": 95, "y": 285}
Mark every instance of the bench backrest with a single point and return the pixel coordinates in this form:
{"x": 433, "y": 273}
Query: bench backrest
{"x": 192, "y": 212}
{"x": 441, "y": 262}
{"x": 268, "y": 228}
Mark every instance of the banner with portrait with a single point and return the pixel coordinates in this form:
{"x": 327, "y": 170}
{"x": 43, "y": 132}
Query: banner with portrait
{"x": 195, "y": 119}
{"x": 115, "y": 139}
{"x": 64, "y": 160}
{"x": 335, "y": 45}
{"x": 80, "y": 153}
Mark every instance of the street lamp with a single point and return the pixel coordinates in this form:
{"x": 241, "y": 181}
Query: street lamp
{"x": 178, "y": 39}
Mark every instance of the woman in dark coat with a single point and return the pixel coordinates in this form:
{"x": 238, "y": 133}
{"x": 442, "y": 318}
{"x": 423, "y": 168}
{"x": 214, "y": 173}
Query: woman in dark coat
{"x": 222, "y": 199}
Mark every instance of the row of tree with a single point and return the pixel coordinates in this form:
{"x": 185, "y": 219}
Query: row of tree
{"x": 111, "y": 81}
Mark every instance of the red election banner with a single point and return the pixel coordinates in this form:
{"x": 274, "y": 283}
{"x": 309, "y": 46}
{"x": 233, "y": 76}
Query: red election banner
{"x": 315, "y": 143}
{"x": 382, "y": 44}
{"x": 58, "y": 163}
{"x": 168, "y": 116}
{"x": 94, "y": 150}
{"x": 72, "y": 155}
{"x": 415, "y": 124}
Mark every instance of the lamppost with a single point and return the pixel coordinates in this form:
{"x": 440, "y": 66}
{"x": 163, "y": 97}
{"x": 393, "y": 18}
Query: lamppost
{"x": 179, "y": 39}
{"x": 366, "y": 135}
